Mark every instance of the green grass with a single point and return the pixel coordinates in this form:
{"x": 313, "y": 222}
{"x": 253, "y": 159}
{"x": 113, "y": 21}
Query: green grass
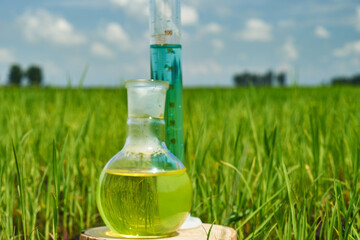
{"x": 271, "y": 163}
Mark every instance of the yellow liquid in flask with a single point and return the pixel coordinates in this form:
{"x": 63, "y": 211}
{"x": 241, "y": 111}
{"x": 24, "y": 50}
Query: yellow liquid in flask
{"x": 144, "y": 204}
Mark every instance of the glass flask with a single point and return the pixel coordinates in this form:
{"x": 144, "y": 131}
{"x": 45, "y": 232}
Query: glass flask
{"x": 144, "y": 190}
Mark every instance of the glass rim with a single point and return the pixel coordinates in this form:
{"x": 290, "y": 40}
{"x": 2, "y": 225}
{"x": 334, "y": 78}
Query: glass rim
{"x": 146, "y": 83}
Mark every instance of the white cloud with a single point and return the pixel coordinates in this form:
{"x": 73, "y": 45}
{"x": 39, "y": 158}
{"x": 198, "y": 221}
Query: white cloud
{"x": 212, "y": 28}
{"x": 43, "y": 26}
{"x": 51, "y": 68}
{"x": 348, "y": 49}
{"x": 223, "y": 11}
{"x": 355, "y": 62}
{"x": 286, "y": 23}
{"x": 358, "y": 18}
{"x": 140, "y": 10}
{"x": 256, "y": 30}
{"x": 135, "y": 70}
{"x": 189, "y": 15}
{"x": 6, "y": 56}
{"x": 321, "y": 32}
{"x": 77, "y": 3}
{"x": 116, "y": 35}
{"x": 203, "y": 68}
{"x": 284, "y": 67}
{"x": 121, "y": 3}
{"x": 51, "y": 71}
{"x": 99, "y": 49}
{"x": 242, "y": 56}
{"x": 217, "y": 45}
{"x": 136, "y": 8}
{"x": 289, "y": 50}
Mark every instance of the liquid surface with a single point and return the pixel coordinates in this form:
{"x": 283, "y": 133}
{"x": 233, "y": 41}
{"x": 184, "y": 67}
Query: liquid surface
{"x": 166, "y": 65}
{"x": 144, "y": 204}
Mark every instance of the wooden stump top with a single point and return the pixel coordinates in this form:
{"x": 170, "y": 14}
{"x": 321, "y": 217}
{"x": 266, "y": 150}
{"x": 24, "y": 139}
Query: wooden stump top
{"x": 199, "y": 233}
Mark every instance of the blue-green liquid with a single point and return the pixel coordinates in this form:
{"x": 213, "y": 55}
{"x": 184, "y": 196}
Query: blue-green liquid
{"x": 166, "y": 65}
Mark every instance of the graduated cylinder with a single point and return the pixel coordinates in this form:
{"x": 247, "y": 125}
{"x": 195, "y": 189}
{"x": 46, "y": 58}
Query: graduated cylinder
{"x": 165, "y": 58}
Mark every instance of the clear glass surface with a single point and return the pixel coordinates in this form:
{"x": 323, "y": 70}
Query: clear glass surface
{"x": 165, "y": 22}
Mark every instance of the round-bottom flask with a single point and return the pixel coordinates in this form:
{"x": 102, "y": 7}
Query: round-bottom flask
{"x": 144, "y": 190}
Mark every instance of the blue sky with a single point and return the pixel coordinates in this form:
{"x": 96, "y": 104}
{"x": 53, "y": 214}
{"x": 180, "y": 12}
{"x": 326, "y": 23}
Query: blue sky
{"x": 311, "y": 40}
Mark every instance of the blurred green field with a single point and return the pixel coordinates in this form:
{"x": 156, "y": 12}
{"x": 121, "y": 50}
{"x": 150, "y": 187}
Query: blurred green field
{"x": 272, "y": 163}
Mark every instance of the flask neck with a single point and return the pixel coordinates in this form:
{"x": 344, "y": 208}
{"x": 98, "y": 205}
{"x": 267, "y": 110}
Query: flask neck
{"x": 145, "y": 134}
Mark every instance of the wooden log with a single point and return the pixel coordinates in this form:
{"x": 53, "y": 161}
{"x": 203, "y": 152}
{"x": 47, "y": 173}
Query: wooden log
{"x": 199, "y": 233}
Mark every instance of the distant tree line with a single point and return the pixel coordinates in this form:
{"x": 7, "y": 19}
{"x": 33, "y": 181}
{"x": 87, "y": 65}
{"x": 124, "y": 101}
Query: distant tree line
{"x": 252, "y": 79}
{"x": 354, "y": 80}
{"x": 33, "y": 75}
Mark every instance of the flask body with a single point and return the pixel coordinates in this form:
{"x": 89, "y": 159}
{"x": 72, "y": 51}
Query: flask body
{"x": 143, "y": 204}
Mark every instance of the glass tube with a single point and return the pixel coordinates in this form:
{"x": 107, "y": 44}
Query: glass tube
{"x": 165, "y": 58}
